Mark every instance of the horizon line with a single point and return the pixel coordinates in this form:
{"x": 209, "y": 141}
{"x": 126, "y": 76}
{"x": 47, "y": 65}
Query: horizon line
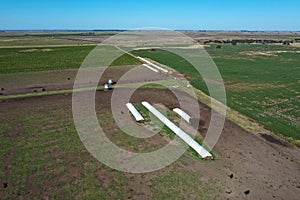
{"x": 200, "y": 30}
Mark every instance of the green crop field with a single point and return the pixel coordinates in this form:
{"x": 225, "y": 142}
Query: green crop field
{"x": 13, "y": 60}
{"x": 262, "y": 81}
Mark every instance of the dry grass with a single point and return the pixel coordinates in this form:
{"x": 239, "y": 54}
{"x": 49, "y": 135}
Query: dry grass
{"x": 35, "y": 50}
{"x": 295, "y": 44}
{"x": 252, "y": 86}
{"x": 265, "y": 53}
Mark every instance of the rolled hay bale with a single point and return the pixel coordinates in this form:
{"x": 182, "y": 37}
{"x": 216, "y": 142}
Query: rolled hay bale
{"x": 111, "y": 81}
{"x": 182, "y": 114}
{"x": 203, "y": 153}
{"x": 106, "y": 87}
{"x": 136, "y": 114}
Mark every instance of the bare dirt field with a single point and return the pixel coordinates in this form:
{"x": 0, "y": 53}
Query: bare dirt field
{"x": 50, "y": 80}
{"x": 249, "y": 166}
{"x": 64, "y": 79}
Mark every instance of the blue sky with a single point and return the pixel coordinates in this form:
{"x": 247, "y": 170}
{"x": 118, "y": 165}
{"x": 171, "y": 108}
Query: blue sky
{"x": 130, "y": 14}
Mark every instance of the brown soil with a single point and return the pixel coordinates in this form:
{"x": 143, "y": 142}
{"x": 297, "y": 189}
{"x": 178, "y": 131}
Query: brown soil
{"x": 51, "y": 80}
{"x": 249, "y": 166}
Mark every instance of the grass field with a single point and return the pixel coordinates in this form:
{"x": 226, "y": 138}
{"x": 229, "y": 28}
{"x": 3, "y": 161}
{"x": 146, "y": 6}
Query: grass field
{"x": 262, "y": 81}
{"x": 14, "y": 60}
{"x": 46, "y": 159}
{"x": 181, "y": 186}
{"x": 66, "y": 162}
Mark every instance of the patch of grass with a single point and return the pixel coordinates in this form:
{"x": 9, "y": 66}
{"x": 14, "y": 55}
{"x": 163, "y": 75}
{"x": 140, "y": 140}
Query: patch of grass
{"x": 125, "y": 59}
{"x": 183, "y": 184}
